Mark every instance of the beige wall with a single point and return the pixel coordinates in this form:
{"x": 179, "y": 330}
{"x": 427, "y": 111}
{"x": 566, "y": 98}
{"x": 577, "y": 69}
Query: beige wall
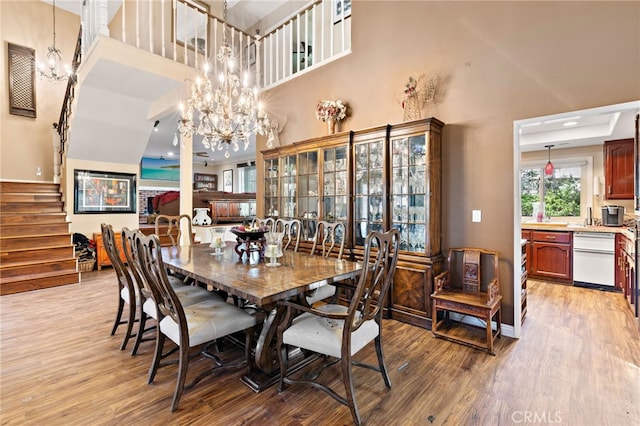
{"x": 26, "y": 143}
{"x": 497, "y": 62}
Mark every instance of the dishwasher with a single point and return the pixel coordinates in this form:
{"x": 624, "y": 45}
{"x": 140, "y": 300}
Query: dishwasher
{"x": 594, "y": 258}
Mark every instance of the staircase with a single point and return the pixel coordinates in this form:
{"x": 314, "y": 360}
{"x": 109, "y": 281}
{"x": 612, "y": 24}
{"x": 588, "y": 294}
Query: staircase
{"x": 36, "y": 248}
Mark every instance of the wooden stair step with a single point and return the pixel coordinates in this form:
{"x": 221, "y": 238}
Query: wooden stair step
{"x": 31, "y": 242}
{"x": 36, "y": 283}
{"x": 10, "y": 187}
{"x": 33, "y": 198}
{"x": 33, "y": 229}
{"x": 13, "y": 257}
{"x": 31, "y": 207}
{"x": 30, "y": 218}
{"x": 26, "y": 269}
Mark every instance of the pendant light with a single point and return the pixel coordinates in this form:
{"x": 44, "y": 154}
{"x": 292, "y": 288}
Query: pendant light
{"x": 54, "y": 69}
{"x": 548, "y": 169}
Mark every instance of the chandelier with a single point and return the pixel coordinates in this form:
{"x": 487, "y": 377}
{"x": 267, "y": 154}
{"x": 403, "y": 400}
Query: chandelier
{"x": 229, "y": 114}
{"x": 54, "y": 70}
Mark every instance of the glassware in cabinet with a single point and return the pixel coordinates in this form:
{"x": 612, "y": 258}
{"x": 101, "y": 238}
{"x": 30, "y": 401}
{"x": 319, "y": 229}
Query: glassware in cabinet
{"x": 308, "y": 185}
{"x": 408, "y": 197}
{"x": 288, "y": 186}
{"x": 369, "y": 183}
{"x": 271, "y": 198}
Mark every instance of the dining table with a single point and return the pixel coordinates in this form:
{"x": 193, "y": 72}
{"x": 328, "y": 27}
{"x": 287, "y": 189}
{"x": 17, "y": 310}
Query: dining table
{"x": 255, "y": 282}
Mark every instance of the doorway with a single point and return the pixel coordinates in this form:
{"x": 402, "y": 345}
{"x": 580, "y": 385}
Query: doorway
{"x": 566, "y": 130}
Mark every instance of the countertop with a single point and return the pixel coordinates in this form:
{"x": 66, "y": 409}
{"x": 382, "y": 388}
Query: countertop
{"x": 551, "y": 226}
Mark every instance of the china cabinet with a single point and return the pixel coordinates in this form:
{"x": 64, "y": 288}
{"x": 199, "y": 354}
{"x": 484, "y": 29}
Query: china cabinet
{"x": 372, "y": 179}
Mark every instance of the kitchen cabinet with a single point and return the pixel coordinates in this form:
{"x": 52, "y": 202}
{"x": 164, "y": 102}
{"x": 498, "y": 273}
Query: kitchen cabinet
{"x": 618, "y": 169}
{"x": 625, "y": 279}
{"x": 372, "y": 179}
{"x": 205, "y": 181}
{"x": 528, "y": 235}
{"x": 552, "y": 255}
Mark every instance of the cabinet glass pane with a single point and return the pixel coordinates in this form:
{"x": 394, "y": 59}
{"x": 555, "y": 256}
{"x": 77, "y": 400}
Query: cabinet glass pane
{"x": 307, "y": 184}
{"x": 369, "y": 205}
{"x": 270, "y": 188}
{"x": 288, "y": 186}
{"x": 334, "y": 184}
{"x": 408, "y": 191}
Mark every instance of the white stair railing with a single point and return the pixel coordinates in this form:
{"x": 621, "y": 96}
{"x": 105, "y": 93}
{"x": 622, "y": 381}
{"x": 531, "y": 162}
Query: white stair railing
{"x": 185, "y": 31}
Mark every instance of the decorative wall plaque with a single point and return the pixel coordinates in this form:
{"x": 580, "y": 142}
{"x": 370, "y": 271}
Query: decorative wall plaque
{"x": 22, "y": 72}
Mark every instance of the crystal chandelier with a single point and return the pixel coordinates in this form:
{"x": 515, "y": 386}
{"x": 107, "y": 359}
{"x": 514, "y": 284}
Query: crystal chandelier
{"x": 229, "y": 114}
{"x": 54, "y": 70}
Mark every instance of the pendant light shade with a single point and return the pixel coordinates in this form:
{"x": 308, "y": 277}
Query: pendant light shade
{"x": 548, "y": 169}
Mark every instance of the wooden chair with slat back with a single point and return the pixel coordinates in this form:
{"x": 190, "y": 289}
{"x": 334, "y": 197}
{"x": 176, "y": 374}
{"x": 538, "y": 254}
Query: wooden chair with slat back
{"x": 292, "y": 229}
{"x": 196, "y": 325}
{"x": 127, "y": 289}
{"x": 268, "y": 222}
{"x": 328, "y": 241}
{"x": 338, "y": 331}
{"x": 173, "y": 231}
{"x": 469, "y": 287}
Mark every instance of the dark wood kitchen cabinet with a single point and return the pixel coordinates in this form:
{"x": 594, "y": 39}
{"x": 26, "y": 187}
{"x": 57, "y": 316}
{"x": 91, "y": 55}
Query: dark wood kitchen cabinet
{"x": 552, "y": 255}
{"x": 618, "y": 169}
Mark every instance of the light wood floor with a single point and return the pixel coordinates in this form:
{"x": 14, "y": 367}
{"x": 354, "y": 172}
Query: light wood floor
{"x": 577, "y": 363}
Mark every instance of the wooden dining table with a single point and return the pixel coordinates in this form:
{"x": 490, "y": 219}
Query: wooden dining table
{"x": 250, "y": 279}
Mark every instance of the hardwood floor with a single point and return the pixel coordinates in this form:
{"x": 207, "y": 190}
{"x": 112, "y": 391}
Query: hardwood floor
{"x": 577, "y": 363}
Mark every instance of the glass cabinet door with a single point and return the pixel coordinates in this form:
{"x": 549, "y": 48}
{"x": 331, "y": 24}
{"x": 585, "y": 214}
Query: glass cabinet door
{"x": 335, "y": 193}
{"x": 271, "y": 187}
{"x": 408, "y": 196}
{"x": 368, "y": 189}
{"x": 308, "y": 183}
{"x": 288, "y": 175}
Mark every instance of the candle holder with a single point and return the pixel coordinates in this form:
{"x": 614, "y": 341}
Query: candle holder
{"x": 274, "y": 247}
{"x": 217, "y": 240}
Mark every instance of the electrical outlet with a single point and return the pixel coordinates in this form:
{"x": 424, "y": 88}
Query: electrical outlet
{"x": 476, "y": 215}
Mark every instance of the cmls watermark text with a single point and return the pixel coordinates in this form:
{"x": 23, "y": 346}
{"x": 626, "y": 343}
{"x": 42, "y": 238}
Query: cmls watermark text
{"x": 536, "y": 417}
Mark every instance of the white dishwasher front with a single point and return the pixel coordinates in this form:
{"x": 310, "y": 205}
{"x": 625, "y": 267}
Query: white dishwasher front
{"x": 594, "y": 258}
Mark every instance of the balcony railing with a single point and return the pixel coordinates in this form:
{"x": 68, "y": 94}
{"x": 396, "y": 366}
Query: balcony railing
{"x": 185, "y": 31}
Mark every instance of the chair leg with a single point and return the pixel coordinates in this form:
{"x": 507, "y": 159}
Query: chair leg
{"x": 157, "y": 355}
{"x": 118, "y": 316}
{"x": 283, "y": 367}
{"x": 182, "y": 376}
{"x": 349, "y": 390}
{"x": 132, "y": 319}
{"x": 381, "y": 364}
{"x": 141, "y": 327}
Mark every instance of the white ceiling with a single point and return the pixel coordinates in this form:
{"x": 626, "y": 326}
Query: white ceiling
{"x": 578, "y": 128}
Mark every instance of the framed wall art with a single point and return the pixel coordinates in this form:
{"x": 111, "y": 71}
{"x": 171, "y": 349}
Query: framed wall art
{"x": 341, "y": 10}
{"x": 104, "y": 192}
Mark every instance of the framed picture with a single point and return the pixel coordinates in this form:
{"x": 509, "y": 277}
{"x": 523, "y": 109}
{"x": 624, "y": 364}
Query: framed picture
{"x": 104, "y": 192}
{"x": 227, "y": 180}
{"x": 341, "y": 10}
{"x": 159, "y": 169}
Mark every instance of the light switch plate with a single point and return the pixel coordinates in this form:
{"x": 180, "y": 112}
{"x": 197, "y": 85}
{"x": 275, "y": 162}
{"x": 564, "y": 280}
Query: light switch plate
{"x": 476, "y": 215}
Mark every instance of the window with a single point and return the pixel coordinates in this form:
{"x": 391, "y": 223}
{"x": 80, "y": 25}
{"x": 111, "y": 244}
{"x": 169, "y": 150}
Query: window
{"x": 247, "y": 179}
{"x": 560, "y": 192}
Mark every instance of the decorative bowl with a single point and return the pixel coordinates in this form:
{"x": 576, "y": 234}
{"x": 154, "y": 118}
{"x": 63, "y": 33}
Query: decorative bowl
{"x": 251, "y": 235}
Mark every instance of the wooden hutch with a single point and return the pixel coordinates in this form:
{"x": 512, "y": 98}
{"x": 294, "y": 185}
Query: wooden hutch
{"x": 373, "y": 179}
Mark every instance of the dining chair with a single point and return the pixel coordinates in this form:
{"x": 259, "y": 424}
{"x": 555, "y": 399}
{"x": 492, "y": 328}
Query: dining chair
{"x": 268, "y": 222}
{"x": 173, "y": 231}
{"x": 188, "y": 326}
{"x": 292, "y": 229}
{"x": 127, "y": 291}
{"x": 328, "y": 241}
{"x": 147, "y": 305}
{"x": 339, "y": 332}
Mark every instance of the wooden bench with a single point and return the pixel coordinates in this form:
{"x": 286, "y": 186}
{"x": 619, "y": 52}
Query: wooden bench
{"x": 462, "y": 290}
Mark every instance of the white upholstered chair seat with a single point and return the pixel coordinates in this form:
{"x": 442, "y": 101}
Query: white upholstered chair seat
{"x": 124, "y": 293}
{"x": 324, "y": 335}
{"x": 207, "y": 321}
{"x": 188, "y": 295}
